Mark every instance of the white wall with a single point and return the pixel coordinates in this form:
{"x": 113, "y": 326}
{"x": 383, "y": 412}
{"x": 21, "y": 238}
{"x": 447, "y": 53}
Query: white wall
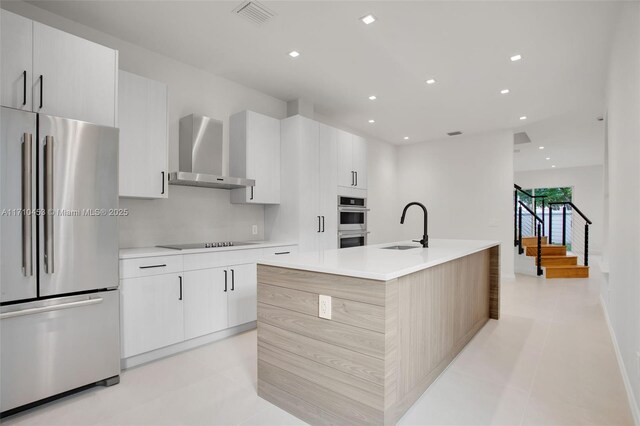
{"x": 466, "y": 184}
{"x": 189, "y": 214}
{"x": 622, "y": 293}
{"x": 588, "y": 193}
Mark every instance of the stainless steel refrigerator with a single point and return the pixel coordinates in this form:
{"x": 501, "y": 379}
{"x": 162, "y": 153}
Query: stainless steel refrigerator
{"x": 59, "y": 298}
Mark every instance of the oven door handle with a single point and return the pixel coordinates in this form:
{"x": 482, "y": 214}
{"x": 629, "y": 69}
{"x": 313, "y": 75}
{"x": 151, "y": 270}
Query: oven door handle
{"x": 353, "y": 234}
{"x": 353, "y": 209}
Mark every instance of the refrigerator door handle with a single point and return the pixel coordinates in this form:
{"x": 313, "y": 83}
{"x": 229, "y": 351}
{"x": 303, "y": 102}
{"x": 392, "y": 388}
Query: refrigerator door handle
{"x": 41, "y": 309}
{"x": 48, "y": 205}
{"x": 27, "y": 217}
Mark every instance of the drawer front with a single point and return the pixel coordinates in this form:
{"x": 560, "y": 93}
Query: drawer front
{"x": 279, "y": 251}
{"x": 193, "y": 262}
{"x": 147, "y": 266}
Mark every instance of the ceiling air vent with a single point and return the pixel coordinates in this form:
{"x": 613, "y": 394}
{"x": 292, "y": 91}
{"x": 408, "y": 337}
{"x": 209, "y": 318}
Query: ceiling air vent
{"x": 456, "y": 133}
{"x": 254, "y": 12}
{"x": 521, "y": 138}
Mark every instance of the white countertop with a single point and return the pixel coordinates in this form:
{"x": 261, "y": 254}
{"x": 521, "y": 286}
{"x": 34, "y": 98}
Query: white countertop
{"x": 375, "y": 263}
{"x": 132, "y": 253}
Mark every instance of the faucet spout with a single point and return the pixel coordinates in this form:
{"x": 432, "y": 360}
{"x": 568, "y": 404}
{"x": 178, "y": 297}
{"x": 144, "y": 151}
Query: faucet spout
{"x": 425, "y": 237}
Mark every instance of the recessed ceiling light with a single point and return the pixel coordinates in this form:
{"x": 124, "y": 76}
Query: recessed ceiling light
{"x": 504, "y": 91}
{"x": 372, "y": 121}
{"x": 430, "y": 81}
{"x": 406, "y": 138}
{"x": 541, "y": 147}
{"x": 548, "y": 158}
{"x": 524, "y": 117}
{"x": 368, "y": 19}
{"x": 372, "y": 98}
{"x": 554, "y": 166}
{"x": 294, "y": 54}
{"x": 515, "y": 58}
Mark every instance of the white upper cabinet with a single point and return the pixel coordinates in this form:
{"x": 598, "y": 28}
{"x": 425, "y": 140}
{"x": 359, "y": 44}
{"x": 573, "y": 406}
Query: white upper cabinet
{"x": 16, "y": 38}
{"x": 352, "y": 160}
{"x": 66, "y": 76}
{"x": 142, "y": 111}
{"x": 73, "y": 77}
{"x": 346, "y": 176}
{"x": 359, "y": 145}
{"x": 254, "y": 153}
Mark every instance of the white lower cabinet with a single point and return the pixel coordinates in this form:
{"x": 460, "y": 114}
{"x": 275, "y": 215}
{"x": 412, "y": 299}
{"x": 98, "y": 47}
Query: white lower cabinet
{"x": 171, "y": 299}
{"x": 205, "y": 302}
{"x": 152, "y": 313}
{"x": 243, "y": 292}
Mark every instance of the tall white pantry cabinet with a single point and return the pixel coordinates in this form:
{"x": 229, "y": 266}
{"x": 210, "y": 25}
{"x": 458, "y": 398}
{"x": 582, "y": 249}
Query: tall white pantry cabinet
{"x": 52, "y": 72}
{"x": 309, "y": 177}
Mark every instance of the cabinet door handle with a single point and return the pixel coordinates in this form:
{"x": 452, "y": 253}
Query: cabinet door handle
{"x": 180, "y": 298}
{"x": 282, "y": 252}
{"x": 225, "y": 280}
{"x": 162, "y": 183}
{"x": 322, "y": 223}
{"x": 233, "y": 280}
{"x": 41, "y": 89}
{"x": 251, "y": 198}
{"x": 153, "y": 266}
{"x": 318, "y": 223}
{"x": 352, "y": 178}
{"x": 356, "y": 173}
{"x": 24, "y": 87}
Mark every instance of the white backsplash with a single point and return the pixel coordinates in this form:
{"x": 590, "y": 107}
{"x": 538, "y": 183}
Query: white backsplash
{"x": 189, "y": 215}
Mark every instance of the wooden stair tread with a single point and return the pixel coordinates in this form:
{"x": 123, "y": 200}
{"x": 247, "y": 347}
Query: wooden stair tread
{"x": 557, "y": 256}
{"x": 567, "y": 271}
{"x": 532, "y": 241}
{"x": 546, "y": 249}
{"x": 567, "y": 267}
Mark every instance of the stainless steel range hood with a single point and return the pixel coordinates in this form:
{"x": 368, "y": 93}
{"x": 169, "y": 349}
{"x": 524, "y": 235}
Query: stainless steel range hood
{"x": 200, "y": 156}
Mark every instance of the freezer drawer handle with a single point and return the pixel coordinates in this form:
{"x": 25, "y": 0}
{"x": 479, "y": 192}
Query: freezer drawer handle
{"x": 27, "y": 217}
{"x": 282, "y": 252}
{"x": 48, "y": 205}
{"x": 51, "y": 308}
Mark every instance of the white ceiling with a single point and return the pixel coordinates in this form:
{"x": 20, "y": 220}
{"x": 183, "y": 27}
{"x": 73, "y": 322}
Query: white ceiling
{"x": 465, "y": 46}
{"x": 569, "y": 140}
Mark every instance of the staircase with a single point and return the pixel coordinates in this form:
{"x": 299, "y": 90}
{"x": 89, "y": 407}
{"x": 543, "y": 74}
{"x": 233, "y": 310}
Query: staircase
{"x": 551, "y": 260}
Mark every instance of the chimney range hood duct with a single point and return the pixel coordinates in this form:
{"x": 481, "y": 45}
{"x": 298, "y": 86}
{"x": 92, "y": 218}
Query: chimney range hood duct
{"x": 200, "y": 156}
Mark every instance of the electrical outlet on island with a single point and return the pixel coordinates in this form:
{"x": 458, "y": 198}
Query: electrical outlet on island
{"x": 324, "y": 306}
{"x": 254, "y": 229}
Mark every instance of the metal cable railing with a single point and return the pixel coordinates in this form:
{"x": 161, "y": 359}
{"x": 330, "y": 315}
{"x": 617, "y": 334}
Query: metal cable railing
{"x": 536, "y": 230}
{"x": 575, "y": 230}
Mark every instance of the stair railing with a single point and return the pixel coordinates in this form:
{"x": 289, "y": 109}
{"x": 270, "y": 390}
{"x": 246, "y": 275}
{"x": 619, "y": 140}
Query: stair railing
{"x": 537, "y": 232}
{"x": 584, "y": 236}
{"x": 518, "y": 189}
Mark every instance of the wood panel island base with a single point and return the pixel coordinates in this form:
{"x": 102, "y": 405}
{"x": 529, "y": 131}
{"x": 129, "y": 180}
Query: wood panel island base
{"x": 398, "y": 318}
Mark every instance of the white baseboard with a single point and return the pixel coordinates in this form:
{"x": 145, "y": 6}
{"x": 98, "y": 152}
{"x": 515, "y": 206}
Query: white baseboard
{"x": 184, "y": 346}
{"x": 633, "y": 404}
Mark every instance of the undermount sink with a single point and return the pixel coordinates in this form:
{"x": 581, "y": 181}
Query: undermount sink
{"x": 400, "y": 247}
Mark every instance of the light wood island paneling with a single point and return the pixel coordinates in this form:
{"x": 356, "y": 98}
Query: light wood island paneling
{"x": 386, "y": 343}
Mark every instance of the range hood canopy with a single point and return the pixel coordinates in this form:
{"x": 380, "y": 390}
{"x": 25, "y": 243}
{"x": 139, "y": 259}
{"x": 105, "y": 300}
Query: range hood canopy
{"x": 200, "y": 156}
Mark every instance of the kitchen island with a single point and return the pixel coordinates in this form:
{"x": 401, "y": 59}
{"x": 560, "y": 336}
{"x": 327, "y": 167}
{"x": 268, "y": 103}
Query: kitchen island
{"x": 397, "y": 318}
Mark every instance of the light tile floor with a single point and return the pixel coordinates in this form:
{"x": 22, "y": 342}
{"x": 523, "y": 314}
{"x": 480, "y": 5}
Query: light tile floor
{"x": 549, "y": 360}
